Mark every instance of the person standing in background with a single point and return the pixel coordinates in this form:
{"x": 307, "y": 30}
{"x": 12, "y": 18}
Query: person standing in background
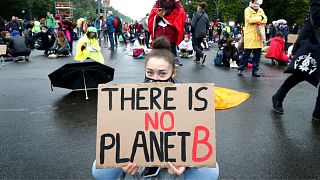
{"x": 110, "y": 29}
{"x": 145, "y": 29}
{"x": 254, "y": 15}
{"x": 98, "y": 24}
{"x": 118, "y": 31}
{"x": 50, "y": 22}
{"x": 200, "y": 25}
{"x": 167, "y": 19}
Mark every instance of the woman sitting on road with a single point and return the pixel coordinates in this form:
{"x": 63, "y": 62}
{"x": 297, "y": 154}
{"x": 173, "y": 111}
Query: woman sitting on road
{"x": 160, "y": 67}
{"x": 139, "y": 47}
{"x": 276, "y": 50}
{"x": 60, "y": 46}
{"x": 230, "y": 55}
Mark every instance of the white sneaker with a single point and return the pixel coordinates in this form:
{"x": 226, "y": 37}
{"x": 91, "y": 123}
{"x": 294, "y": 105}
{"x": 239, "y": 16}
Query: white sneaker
{"x": 52, "y": 56}
{"x": 235, "y": 65}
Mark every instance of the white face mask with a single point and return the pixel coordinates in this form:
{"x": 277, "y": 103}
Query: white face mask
{"x": 186, "y": 39}
{"x": 44, "y": 31}
{"x": 259, "y": 2}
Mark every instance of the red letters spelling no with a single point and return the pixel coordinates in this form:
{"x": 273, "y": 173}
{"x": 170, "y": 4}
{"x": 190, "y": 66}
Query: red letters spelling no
{"x": 154, "y": 122}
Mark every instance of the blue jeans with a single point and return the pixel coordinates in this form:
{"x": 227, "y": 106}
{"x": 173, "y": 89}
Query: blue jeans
{"x": 189, "y": 174}
{"x": 111, "y": 39}
{"x": 255, "y": 59}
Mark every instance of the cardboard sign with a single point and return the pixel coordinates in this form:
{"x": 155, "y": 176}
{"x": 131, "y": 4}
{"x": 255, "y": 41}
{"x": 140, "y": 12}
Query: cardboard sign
{"x": 155, "y": 123}
{"x": 3, "y": 49}
{"x": 292, "y": 38}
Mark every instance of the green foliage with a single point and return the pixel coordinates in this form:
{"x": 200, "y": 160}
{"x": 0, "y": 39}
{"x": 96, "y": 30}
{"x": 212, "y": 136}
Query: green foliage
{"x": 39, "y": 8}
{"x": 293, "y": 11}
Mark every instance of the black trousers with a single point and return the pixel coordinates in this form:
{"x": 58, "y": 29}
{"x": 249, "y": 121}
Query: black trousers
{"x": 289, "y": 83}
{"x": 117, "y": 34}
{"x": 25, "y": 52}
{"x": 196, "y": 43}
{"x": 174, "y": 49}
{"x": 255, "y": 59}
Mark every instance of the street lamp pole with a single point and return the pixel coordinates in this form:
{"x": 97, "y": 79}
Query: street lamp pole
{"x": 99, "y": 6}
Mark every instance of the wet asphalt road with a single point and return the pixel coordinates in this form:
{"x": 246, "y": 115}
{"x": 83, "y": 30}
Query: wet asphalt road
{"x": 51, "y": 135}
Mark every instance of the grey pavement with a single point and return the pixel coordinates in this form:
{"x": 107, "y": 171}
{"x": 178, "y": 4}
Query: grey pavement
{"x": 51, "y": 134}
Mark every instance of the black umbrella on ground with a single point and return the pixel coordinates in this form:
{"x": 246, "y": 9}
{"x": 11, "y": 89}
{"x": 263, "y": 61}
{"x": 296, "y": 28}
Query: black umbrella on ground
{"x": 81, "y": 76}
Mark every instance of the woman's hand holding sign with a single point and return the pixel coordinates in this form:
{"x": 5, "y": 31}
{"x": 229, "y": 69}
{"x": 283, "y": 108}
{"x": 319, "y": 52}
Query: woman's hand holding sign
{"x": 175, "y": 170}
{"x": 130, "y": 168}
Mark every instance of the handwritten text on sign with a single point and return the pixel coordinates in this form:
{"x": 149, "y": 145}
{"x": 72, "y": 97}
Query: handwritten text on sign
{"x": 152, "y": 124}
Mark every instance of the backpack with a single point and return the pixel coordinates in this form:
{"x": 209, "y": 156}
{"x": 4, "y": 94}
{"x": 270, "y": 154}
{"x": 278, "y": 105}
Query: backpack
{"x": 115, "y": 23}
{"x": 218, "y": 59}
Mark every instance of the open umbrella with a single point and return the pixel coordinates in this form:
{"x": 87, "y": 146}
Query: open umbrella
{"x": 81, "y": 76}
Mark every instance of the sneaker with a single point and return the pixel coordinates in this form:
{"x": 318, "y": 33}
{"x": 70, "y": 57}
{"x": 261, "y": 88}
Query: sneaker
{"x": 277, "y": 105}
{"x": 178, "y": 62}
{"x": 52, "y": 56}
{"x": 15, "y": 59}
{"x": 203, "y": 58}
{"x": 254, "y": 74}
{"x": 26, "y": 58}
{"x": 239, "y": 72}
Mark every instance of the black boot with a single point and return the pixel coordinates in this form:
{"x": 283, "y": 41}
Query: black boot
{"x": 316, "y": 112}
{"x": 255, "y": 74}
{"x": 277, "y": 105}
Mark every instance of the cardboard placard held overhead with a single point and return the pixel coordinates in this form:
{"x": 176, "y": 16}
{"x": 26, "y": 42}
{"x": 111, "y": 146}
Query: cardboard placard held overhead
{"x": 3, "y": 49}
{"x": 155, "y": 123}
{"x": 292, "y": 38}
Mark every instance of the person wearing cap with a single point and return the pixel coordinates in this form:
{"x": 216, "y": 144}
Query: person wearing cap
{"x": 88, "y": 47}
{"x": 110, "y": 29}
{"x": 17, "y": 46}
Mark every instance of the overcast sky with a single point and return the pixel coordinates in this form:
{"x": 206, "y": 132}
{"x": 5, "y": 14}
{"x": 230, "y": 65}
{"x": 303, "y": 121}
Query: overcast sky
{"x": 136, "y": 9}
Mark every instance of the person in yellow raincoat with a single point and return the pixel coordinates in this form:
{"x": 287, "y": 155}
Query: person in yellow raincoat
{"x": 254, "y": 15}
{"x": 88, "y": 47}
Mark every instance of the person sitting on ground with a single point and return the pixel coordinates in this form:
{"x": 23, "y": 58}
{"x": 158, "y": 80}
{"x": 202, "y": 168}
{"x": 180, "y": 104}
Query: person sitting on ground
{"x": 160, "y": 67}
{"x": 230, "y": 54}
{"x": 17, "y": 46}
{"x": 222, "y": 42}
{"x": 47, "y": 39}
{"x": 88, "y": 47}
{"x": 60, "y": 46}
{"x": 186, "y": 49}
{"x": 276, "y": 50}
{"x": 139, "y": 47}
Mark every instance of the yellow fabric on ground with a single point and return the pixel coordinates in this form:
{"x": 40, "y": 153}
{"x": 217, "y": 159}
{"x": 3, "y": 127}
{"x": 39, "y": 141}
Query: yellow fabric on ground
{"x": 86, "y": 53}
{"x": 228, "y": 98}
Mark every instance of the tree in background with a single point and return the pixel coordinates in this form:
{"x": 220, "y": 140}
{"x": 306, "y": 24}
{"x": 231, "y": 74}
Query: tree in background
{"x": 293, "y": 11}
{"x": 39, "y": 8}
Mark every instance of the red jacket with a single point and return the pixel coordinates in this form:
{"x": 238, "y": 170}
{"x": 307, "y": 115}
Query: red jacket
{"x": 276, "y": 50}
{"x": 176, "y": 18}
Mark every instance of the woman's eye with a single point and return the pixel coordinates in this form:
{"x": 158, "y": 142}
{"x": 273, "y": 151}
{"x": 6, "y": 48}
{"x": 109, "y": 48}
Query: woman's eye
{"x": 150, "y": 73}
{"x": 163, "y": 74}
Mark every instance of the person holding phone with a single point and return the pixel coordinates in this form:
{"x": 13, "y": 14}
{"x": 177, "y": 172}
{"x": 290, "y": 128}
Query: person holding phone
{"x": 167, "y": 19}
{"x": 159, "y": 67}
